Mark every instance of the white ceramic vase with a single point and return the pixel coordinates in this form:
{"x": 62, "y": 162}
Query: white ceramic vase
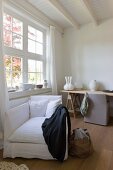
{"x": 68, "y": 85}
{"x": 93, "y": 85}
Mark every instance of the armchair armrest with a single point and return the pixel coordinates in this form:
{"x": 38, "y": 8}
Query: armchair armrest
{"x": 15, "y": 117}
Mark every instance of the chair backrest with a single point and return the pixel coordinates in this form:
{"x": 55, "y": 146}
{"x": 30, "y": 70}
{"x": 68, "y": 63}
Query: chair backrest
{"x": 97, "y": 102}
{"x": 98, "y": 109}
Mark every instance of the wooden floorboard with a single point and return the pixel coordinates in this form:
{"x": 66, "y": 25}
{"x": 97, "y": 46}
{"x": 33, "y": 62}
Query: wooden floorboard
{"x": 111, "y": 163}
{"x": 104, "y": 160}
{"x": 101, "y": 159}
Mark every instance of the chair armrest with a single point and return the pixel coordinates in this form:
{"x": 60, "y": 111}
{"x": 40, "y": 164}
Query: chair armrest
{"x": 15, "y": 117}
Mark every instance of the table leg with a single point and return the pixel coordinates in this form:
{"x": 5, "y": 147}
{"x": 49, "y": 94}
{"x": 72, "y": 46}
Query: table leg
{"x": 70, "y": 104}
{"x": 73, "y": 103}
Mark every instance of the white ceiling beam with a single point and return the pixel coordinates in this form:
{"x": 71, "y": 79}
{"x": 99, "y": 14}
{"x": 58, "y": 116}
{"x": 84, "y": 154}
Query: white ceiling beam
{"x": 64, "y": 12}
{"x": 90, "y": 10}
{"x": 37, "y": 15}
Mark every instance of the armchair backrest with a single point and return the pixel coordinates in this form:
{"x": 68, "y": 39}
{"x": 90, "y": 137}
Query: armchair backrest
{"x": 44, "y": 105}
{"x": 48, "y": 97}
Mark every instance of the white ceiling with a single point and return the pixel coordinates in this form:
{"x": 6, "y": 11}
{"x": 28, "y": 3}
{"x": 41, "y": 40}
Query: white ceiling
{"x": 75, "y": 13}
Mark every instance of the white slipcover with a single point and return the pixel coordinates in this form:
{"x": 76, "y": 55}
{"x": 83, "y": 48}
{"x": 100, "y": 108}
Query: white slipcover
{"x": 23, "y": 135}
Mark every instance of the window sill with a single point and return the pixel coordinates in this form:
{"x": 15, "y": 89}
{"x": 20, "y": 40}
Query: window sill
{"x": 27, "y": 93}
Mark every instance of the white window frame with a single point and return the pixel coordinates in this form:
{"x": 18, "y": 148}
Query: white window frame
{"x": 24, "y": 54}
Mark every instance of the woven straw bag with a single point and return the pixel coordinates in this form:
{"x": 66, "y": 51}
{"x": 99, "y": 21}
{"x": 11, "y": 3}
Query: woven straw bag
{"x": 80, "y": 144}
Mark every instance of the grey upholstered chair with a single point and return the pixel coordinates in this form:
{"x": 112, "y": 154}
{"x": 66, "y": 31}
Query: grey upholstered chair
{"x": 98, "y": 109}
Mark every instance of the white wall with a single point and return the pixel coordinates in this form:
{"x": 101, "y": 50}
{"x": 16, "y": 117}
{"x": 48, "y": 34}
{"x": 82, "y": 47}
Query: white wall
{"x": 88, "y": 54}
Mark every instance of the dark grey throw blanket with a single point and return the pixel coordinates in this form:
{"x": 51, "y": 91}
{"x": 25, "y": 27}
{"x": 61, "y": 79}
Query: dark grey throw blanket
{"x": 54, "y": 132}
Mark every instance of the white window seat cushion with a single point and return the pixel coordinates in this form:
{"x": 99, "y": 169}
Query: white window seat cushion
{"x": 29, "y": 132}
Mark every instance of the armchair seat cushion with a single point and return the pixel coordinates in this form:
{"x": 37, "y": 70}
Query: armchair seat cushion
{"x": 29, "y": 132}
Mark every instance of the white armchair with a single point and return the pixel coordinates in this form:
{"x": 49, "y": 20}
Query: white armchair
{"x": 23, "y": 136}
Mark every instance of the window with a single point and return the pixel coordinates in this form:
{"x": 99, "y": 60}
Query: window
{"x": 25, "y": 60}
{"x": 35, "y": 41}
{"x": 13, "y": 31}
{"x": 13, "y": 66}
{"x": 35, "y": 71}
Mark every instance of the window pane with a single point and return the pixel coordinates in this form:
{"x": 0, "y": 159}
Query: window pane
{"x": 36, "y": 67}
{"x": 16, "y": 78}
{"x": 16, "y": 64}
{"x": 31, "y": 46}
{"x": 7, "y": 63}
{"x": 32, "y": 78}
{"x": 16, "y": 71}
{"x": 39, "y": 36}
{"x": 31, "y": 33}
{"x": 13, "y": 29}
{"x": 35, "y": 78}
{"x": 31, "y": 66}
{"x": 39, "y": 48}
{"x": 13, "y": 67}
{"x": 17, "y": 26}
{"x": 7, "y": 38}
{"x": 17, "y": 41}
{"x": 7, "y": 22}
{"x": 39, "y": 78}
{"x": 39, "y": 66}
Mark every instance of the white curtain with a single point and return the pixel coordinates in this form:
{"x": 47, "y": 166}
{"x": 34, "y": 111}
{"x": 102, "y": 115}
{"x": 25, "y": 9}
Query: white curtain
{"x": 52, "y": 62}
{"x": 3, "y": 89}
